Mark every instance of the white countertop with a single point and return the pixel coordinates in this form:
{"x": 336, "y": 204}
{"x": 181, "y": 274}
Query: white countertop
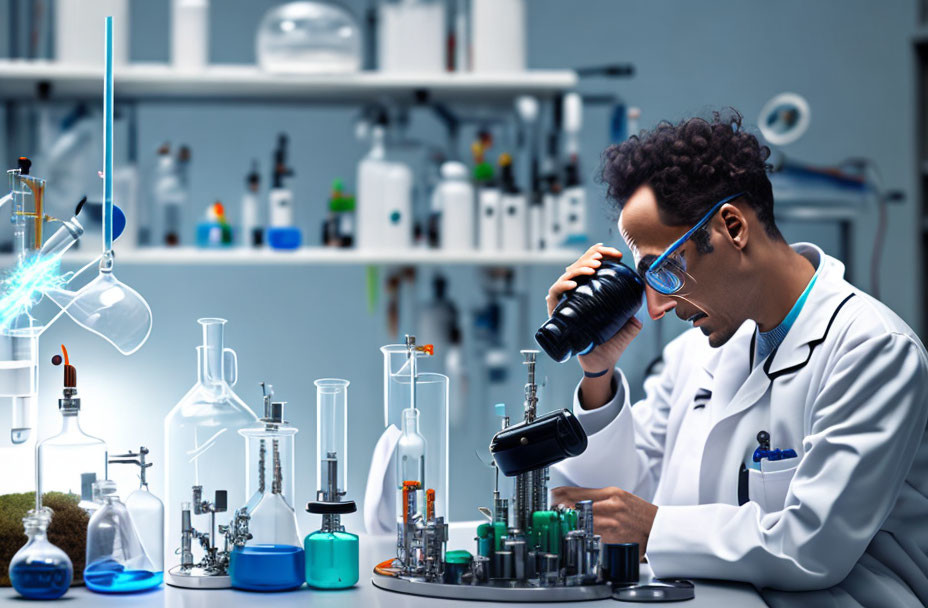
{"x": 373, "y": 550}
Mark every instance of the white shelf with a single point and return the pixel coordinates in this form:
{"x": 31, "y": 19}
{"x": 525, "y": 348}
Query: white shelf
{"x": 20, "y": 79}
{"x": 322, "y": 256}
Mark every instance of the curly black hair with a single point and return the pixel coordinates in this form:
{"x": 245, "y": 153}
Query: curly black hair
{"x": 692, "y": 165}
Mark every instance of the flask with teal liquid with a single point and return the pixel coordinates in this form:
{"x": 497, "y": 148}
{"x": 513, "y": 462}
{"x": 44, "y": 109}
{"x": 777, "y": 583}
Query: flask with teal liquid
{"x": 331, "y": 552}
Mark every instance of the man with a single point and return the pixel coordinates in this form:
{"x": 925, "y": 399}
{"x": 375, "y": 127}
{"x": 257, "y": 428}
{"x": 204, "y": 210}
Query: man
{"x": 783, "y": 443}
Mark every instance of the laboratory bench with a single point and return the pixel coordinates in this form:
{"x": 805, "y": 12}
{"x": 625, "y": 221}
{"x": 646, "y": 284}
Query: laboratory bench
{"x": 373, "y": 549}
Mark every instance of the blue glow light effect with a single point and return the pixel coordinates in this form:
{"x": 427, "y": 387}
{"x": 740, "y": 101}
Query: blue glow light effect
{"x": 25, "y": 284}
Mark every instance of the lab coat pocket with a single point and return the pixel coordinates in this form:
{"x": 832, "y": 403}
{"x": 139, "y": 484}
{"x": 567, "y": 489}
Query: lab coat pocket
{"x": 769, "y": 489}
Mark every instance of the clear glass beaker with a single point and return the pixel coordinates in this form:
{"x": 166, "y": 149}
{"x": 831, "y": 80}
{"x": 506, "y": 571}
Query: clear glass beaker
{"x": 431, "y": 400}
{"x": 331, "y": 552}
{"x": 71, "y": 461}
{"x": 308, "y": 38}
{"x": 201, "y": 441}
{"x": 40, "y": 570}
{"x": 116, "y": 559}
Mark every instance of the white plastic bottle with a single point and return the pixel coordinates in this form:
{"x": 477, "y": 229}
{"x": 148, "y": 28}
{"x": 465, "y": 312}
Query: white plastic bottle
{"x": 412, "y": 36}
{"x": 498, "y": 35}
{"x": 457, "y": 202}
{"x": 513, "y": 210}
{"x": 384, "y": 205}
{"x": 190, "y": 34}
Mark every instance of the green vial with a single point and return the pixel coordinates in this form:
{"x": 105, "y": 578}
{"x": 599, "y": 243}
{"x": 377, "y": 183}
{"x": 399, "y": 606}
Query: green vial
{"x": 331, "y": 559}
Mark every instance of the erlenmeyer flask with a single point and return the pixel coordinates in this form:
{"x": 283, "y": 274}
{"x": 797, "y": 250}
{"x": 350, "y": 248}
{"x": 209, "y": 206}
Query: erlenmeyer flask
{"x": 116, "y": 560}
{"x": 109, "y": 308}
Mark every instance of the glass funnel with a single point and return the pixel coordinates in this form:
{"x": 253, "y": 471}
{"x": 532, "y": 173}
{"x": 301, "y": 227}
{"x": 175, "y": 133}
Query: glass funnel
{"x": 429, "y": 393}
{"x": 71, "y": 461}
{"x": 331, "y": 552}
{"x": 116, "y": 559}
{"x": 201, "y": 440}
{"x": 40, "y": 570}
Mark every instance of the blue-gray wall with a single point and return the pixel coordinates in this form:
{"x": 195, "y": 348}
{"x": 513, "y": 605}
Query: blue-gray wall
{"x": 851, "y": 59}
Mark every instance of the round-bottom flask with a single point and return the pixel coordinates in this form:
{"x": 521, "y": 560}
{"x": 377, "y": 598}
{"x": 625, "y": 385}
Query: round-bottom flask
{"x": 40, "y": 570}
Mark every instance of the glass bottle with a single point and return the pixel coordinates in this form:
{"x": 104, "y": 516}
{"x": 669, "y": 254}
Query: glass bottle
{"x": 40, "y": 570}
{"x": 116, "y": 560}
{"x": 201, "y": 439}
{"x": 146, "y": 509}
{"x": 273, "y": 558}
{"x": 593, "y": 312}
{"x": 71, "y": 461}
{"x": 331, "y": 552}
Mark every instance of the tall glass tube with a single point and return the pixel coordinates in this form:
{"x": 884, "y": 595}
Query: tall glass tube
{"x": 331, "y": 552}
{"x": 332, "y": 438}
{"x": 431, "y": 399}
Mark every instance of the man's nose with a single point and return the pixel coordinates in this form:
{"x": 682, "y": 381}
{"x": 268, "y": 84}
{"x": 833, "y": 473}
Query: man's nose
{"x": 658, "y": 303}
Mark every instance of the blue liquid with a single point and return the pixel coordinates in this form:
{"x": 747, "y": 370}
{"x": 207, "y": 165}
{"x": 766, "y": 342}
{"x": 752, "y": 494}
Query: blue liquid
{"x": 267, "y": 567}
{"x": 40, "y": 581}
{"x": 112, "y": 577}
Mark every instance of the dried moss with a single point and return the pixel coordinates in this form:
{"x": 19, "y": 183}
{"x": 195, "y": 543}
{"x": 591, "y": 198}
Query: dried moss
{"x": 68, "y": 529}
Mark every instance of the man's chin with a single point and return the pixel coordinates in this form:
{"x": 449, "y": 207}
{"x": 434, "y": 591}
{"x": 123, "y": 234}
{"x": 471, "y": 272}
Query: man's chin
{"x": 717, "y": 338}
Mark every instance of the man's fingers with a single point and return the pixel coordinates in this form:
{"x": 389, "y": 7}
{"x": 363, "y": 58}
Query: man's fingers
{"x": 570, "y": 495}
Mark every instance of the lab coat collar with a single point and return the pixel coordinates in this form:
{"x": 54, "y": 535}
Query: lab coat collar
{"x": 827, "y": 294}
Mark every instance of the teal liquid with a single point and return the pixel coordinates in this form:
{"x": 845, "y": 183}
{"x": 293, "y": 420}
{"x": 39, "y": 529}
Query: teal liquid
{"x": 331, "y": 559}
{"x": 112, "y": 577}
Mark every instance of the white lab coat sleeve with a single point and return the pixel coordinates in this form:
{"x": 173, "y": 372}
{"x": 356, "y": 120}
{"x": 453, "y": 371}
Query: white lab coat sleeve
{"x": 865, "y": 427}
{"x": 626, "y": 443}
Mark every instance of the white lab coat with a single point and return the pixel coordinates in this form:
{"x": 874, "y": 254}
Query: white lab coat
{"x": 847, "y": 390}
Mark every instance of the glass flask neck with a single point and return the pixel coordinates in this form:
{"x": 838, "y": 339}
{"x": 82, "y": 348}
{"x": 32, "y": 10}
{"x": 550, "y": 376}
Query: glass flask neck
{"x": 410, "y": 420}
{"x": 70, "y": 422}
{"x": 210, "y": 356}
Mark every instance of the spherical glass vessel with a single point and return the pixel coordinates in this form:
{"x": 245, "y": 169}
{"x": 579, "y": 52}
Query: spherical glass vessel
{"x": 40, "y": 570}
{"x": 308, "y": 38}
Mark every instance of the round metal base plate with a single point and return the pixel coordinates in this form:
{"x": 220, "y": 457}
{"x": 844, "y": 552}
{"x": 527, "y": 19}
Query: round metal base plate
{"x": 196, "y": 579}
{"x": 500, "y": 592}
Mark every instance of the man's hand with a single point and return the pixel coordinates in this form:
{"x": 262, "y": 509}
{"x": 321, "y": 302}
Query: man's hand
{"x": 618, "y": 516}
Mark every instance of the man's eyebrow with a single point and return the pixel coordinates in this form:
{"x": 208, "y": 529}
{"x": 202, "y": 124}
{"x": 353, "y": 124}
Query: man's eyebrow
{"x": 645, "y": 263}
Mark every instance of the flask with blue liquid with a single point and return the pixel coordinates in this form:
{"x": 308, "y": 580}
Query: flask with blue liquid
{"x": 272, "y": 559}
{"x": 40, "y": 570}
{"x": 116, "y": 559}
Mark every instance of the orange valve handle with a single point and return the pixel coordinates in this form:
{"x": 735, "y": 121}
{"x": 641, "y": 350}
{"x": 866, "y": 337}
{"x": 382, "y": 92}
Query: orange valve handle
{"x": 430, "y": 504}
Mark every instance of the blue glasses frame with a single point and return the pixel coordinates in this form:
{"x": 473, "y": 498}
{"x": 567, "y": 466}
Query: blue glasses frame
{"x": 665, "y": 281}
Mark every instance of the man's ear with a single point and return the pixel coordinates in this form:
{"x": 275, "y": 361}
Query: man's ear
{"x": 736, "y": 225}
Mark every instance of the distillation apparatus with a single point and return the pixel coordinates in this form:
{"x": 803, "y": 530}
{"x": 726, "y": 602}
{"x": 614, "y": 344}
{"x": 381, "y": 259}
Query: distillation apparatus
{"x": 528, "y": 551}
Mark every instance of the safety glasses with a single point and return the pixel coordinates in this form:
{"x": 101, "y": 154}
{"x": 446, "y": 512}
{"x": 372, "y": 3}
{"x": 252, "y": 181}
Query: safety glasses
{"x": 667, "y": 274}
